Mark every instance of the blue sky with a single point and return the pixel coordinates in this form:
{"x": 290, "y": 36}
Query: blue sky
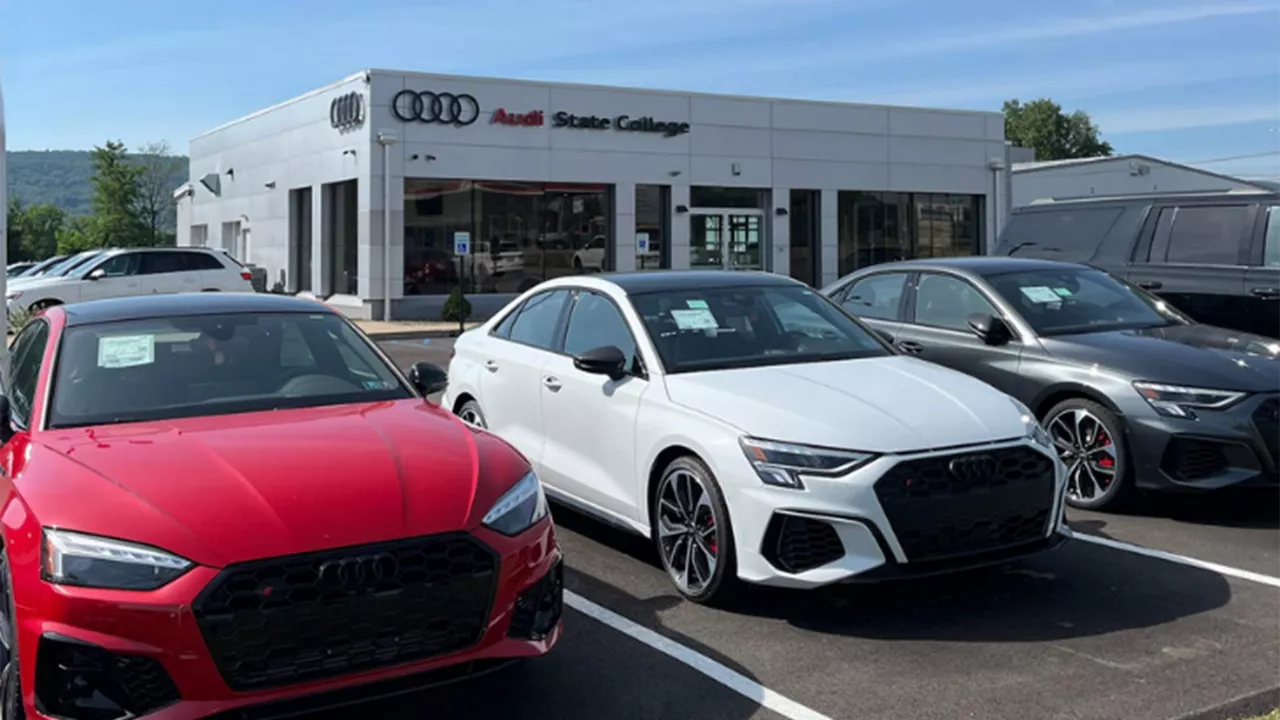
{"x": 1189, "y": 80}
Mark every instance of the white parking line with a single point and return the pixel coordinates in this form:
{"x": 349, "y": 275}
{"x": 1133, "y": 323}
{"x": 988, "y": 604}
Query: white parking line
{"x": 1162, "y": 555}
{"x": 731, "y": 679}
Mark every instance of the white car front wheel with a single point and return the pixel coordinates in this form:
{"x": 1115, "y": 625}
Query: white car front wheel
{"x": 693, "y": 533}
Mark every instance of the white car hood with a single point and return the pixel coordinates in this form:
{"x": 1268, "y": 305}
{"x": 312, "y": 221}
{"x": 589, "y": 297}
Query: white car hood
{"x": 24, "y": 284}
{"x": 883, "y": 405}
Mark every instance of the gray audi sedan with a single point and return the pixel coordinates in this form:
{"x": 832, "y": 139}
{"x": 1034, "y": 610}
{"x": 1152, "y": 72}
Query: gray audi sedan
{"x": 1134, "y": 393}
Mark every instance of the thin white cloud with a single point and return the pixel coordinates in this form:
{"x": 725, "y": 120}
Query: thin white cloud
{"x": 1157, "y": 119}
{"x": 906, "y": 45}
{"x": 1079, "y": 82}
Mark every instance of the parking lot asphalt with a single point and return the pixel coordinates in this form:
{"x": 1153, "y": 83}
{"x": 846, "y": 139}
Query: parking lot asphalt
{"x": 1084, "y": 632}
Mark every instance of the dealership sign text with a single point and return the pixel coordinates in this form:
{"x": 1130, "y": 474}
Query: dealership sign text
{"x": 562, "y": 119}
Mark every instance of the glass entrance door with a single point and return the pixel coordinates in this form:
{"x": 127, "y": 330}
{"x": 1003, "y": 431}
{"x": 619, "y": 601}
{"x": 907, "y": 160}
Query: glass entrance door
{"x": 726, "y": 239}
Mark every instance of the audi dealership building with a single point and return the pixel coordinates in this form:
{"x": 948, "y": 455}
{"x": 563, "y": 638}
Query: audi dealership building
{"x": 362, "y": 191}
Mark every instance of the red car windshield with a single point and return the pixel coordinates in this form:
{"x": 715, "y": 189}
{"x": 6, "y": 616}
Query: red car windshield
{"x": 165, "y": 368}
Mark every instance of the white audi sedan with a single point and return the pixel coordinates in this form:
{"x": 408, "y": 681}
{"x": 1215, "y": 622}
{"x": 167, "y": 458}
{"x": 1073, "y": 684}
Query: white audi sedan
{"x": 756, "y": 432}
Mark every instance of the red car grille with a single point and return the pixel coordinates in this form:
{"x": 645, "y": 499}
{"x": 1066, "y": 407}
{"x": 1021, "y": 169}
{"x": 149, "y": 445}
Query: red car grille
{"x": 307, "y": 617}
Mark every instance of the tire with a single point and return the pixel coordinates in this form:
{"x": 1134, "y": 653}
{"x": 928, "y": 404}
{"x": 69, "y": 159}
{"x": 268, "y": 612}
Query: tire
{"x": 39, "y": 305}
{"x": 577, "y": 264}
{"x": 1099, "y": 475}
{"x": 11, "y": 707}
{"x": 710, "y": 576}
{"x": 471, "y": 414}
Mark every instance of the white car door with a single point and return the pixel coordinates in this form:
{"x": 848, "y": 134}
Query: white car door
{"x": 119, "y": 277}
{"x": 590, "y": 419}
{"x": 511, "y": 362}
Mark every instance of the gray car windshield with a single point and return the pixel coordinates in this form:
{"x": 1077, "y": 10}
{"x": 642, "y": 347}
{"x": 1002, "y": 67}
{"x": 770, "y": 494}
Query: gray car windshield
{"x": 1081, "y": 300}
{"x": 722, "y": 328}
{"x": 175, "y": 367}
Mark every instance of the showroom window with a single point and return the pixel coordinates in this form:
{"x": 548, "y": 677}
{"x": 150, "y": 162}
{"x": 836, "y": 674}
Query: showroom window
{"x": 877, "y": 227}
{"x": 653, "y": 220}
{"x": 521, "y": 234}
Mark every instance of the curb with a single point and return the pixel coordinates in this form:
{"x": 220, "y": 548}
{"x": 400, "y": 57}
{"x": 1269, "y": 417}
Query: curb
{"x": 1244, "y": 706}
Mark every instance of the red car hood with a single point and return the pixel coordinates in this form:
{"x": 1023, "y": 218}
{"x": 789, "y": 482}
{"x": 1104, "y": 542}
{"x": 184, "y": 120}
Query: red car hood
{"x": 225, "y": 489}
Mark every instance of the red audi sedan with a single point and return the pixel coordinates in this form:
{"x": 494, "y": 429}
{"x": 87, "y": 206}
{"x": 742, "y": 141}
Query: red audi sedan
{"x": 233, "y": 505}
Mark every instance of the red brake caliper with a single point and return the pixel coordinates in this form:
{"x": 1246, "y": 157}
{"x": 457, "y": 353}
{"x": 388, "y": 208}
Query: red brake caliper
{"x": 1101, "y": 441}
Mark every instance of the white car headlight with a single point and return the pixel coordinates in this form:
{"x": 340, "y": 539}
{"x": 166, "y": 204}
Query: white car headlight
{"x": 71, "y": 558}
{"x": 1179, "y": 401}
{"x": 781, "y": 464}
{"x": 13, "y": 295}
{"x": 518, "y": 508}
{"x": 1031, "y": 426}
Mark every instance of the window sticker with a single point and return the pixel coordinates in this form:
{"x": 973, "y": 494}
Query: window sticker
{"x": 379, "y": 385}
{"x": 1040, "y": 294}
{"x": 700, "y": 319}
{"x": 697, "y": 304}
{"x": 1064, "y": 292}
{"x": 125, "y": 351}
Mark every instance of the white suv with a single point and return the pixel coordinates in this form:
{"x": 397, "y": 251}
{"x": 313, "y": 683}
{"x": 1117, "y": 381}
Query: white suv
{"x": 134, "y": 271}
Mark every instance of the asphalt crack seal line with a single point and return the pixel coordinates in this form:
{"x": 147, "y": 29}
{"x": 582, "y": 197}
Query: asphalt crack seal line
{"x": 735, "y": 681}
{"x": 1181, "y": 559}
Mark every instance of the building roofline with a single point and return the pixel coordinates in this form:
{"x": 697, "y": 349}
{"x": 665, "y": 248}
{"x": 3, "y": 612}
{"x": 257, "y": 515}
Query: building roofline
{"x": 662, "y": 91}
{"x": 1053, "y": 164}
{"x": 364, "y": 74}
{"x": 310, "y": 93}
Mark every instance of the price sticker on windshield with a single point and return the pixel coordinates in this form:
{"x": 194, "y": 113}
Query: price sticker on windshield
{"x": 1041, "y": 294}
{"x": 697, "y": 319}
{"x": 125, "y": 351}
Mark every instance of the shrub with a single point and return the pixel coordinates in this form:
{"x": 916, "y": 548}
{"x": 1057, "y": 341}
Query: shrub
{"x": 456, "y": 307}
{"x": 19, "y": 318}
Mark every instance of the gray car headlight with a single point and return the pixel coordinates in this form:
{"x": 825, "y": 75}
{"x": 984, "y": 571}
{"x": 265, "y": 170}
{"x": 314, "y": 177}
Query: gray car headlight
{"x": 781, "y": 464}
{"x": 1181, "y": 402}
{"x": 72, "y": 558}
{"x": 519, "y": 508}
{"x": 1031, "y": 426}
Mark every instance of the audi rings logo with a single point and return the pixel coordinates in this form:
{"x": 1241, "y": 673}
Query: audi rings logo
{"x": 435, "y": 108}
{"x": 973, "y": 468}
{"x": 347, "y": 111}
{"x": 358, "y": 573}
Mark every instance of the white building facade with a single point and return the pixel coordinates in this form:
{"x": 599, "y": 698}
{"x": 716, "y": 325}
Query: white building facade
{"x": 1115, "y": 175}
{"x": 540, "y": 180}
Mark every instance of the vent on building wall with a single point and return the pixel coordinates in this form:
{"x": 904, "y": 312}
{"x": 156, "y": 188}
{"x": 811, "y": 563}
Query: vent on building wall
{"x": 213, "y": 182}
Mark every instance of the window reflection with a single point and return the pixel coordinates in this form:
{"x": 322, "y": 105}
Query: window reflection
{"x": 521, "y": 234}
{"x": 653, "y": 203}
{"x": 876, "y": 227}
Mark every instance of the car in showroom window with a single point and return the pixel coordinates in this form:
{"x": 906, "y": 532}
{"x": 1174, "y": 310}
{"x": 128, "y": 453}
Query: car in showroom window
{"x": 756, "y": 432}
{"x": 189, "y": 464}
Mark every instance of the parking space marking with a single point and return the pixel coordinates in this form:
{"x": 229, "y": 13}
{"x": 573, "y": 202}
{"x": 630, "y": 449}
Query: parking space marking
{"x": 735, "y": 681}
{"x": 1171, "y": 557}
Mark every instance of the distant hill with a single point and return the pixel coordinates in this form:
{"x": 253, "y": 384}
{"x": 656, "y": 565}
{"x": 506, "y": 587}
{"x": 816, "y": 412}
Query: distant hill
{"x": 59, "y": 177}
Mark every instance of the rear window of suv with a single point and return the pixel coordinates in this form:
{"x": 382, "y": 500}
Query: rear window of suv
{"x": 1069, "y": 234}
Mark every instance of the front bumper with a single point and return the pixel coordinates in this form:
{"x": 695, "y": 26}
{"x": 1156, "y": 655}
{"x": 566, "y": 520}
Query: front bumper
{"x": 1238, "y": 447}
{"x": 901, "y": 516}
{"x": 162, "y": 655}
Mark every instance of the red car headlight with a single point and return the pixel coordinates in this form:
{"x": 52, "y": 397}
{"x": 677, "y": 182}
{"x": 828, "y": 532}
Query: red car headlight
{"x": 518, "y": 508}
{"x": 71, "y": 558}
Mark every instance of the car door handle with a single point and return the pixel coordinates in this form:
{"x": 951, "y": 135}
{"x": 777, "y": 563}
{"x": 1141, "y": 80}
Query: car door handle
{"x": 1150, "y": 284}
{"x": 1265, "y": 292}
{"x": 909, "y": 347}
{"x": 491, "y": 366}
{"x": 552, "y": 384}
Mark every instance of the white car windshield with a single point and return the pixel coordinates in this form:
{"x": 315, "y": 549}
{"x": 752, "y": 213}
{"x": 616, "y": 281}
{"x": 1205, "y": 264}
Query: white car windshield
{"x": 185, "y": 366}
{"x": 738, "y": 327}
{"x": 66, "y": 266}
{"x": 1071, "y": 300}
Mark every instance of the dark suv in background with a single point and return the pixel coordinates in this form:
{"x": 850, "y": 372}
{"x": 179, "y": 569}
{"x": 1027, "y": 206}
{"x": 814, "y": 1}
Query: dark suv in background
{"x": 1216, "y": 257}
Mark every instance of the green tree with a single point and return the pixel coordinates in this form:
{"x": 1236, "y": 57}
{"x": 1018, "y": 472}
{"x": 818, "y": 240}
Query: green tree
{"x": 1054, "y": 135}
{"x": 116, "y": 199}
{"x": 13, "y": 230}
{"x": 156, "y": 205}
{"x": 39, "y": 228}
{"x": 80, "y": 233}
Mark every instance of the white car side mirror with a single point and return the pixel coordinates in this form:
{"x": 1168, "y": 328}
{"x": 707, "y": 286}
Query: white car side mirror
{"x": 97, "y": 274}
